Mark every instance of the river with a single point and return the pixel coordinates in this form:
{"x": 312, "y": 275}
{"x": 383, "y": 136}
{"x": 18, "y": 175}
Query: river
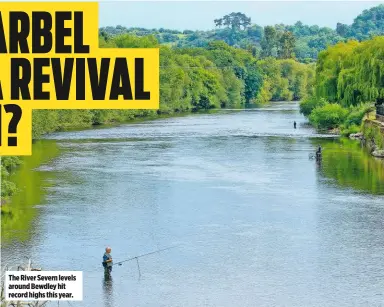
{"x": 256, "y": 220}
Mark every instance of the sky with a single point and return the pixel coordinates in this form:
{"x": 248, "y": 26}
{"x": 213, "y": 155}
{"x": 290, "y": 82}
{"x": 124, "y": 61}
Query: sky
{"x": 199, "y": 15}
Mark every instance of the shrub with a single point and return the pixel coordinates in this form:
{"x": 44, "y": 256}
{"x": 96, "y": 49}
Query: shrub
{"x": 356, "y": 115}
{"x": 328, "y": 116}
{"x": 310, "y": 103}
{"x": 347, "y": 130}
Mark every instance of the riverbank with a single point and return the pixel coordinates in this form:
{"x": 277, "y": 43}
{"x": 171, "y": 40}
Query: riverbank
{"x": 373, "y": 137}
{"x": 359, "y": 124}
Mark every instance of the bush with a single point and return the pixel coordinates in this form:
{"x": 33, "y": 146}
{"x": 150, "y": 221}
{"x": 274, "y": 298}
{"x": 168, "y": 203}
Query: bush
{"x": 356, "y": 115}
{"x": 347, "y": 130}
{"x": 310, "y": 103}
{"x": 328, "y": 116}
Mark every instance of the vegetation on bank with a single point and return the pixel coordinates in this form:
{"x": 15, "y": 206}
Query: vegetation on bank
{"x": 349, "y": 81}
{"x": 237, "y": 29}
{"x": 374, "y": 137}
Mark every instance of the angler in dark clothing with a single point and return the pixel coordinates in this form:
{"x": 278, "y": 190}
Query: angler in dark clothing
{"x": 294, "y": 125}
{"x": 107, "y": 261}
{"x": 318, "y": 153}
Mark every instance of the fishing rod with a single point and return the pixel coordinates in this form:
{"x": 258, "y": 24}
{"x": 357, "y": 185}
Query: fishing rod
{"x": 143, "y": 255}
{"x": 147, "y": 254}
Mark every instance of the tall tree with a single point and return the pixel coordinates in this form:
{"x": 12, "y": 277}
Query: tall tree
{"x": 269, "y": 41}
{"x": 286, "y": 45}
{"x": 235, "y": 21}
{"x": 218, "y": 22}
{"x": 342, "y": 29}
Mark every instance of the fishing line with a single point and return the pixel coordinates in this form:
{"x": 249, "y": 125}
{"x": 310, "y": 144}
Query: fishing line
{"x": 143, "y": 255}
{"x": 147, "y": 254}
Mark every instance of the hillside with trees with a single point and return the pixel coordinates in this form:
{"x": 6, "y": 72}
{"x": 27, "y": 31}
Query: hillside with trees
{"x": 304, "y": 42}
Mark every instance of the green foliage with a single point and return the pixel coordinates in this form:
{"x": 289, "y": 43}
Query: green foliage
{"x": 368, "y": 24}
{"x": 240, "y": 71}
{"x": 324, "y": 115}
{"x": 286, "y": 45}
{"x": 329, "y": 116}
{"x": 269, "y": 42}
{"x": 356, "y": 114}
{"x": 285, "y": 80}
{"x": 348, "y": 75}
{"x": 347, "y": 130}
{"x": 234, "y": 21}
{"x": 351, "y": 73}
{"x": 310, "y": 103}
{"x": 373, "y": 134}
{"x": 132, "y": 41}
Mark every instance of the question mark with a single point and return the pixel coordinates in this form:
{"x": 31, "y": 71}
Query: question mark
{"x": 12, "y": 128}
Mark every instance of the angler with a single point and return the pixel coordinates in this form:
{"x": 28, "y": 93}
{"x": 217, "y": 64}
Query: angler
{"x": 318, "y": 153}
{"x": 107, "y": 261}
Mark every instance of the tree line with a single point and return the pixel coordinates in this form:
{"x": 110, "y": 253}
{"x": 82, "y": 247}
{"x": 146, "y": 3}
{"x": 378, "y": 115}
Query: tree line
{"x": 349, "y": 81}
{"x": 301, "y": 41}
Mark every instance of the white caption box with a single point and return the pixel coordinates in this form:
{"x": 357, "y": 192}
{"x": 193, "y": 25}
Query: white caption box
{"x": 44, "y": 286}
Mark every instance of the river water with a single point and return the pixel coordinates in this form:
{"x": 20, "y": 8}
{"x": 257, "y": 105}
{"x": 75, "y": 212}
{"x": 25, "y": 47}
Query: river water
{"x": 256, "y": 220}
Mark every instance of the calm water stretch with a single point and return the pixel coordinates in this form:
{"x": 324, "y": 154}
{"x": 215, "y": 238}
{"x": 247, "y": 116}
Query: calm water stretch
{"x": 259, "y": 223}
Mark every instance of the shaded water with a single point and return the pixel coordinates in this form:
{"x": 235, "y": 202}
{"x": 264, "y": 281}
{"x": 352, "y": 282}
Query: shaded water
{"x": 259, "y": 223}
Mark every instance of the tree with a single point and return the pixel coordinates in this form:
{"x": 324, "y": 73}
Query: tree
{"x": 370, "y": 22}
{"x": 235, "y": 21}
{"x": 218, "y": 22}
{"x": 269, "y": 41}
{"x": 286, "y": 45}
{"x": 342, "y": 29}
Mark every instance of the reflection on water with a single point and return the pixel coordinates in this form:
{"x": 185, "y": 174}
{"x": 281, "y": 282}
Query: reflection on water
{"x": 108, "y": 291}
{"x": 352, "y": 166}
{"x": 32, "y": 187}
{"x": 259, "y": 223}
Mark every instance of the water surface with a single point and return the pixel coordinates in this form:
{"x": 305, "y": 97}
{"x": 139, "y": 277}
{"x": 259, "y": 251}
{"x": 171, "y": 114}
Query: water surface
{"x": 259, "y": 223}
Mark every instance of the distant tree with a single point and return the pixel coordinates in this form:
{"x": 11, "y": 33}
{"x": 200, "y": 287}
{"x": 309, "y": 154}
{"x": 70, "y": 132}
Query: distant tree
{"x": 368, "y": 23}
{"x": 255, "y": 32}
{"x": 104, "y": 34}
{"x": 269, "y": 41}
{"x": 235, "y": 21}
{"x": 286, "y": 45}
{"x": 218, "y": 22}
{"x": 342, "y": 29}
